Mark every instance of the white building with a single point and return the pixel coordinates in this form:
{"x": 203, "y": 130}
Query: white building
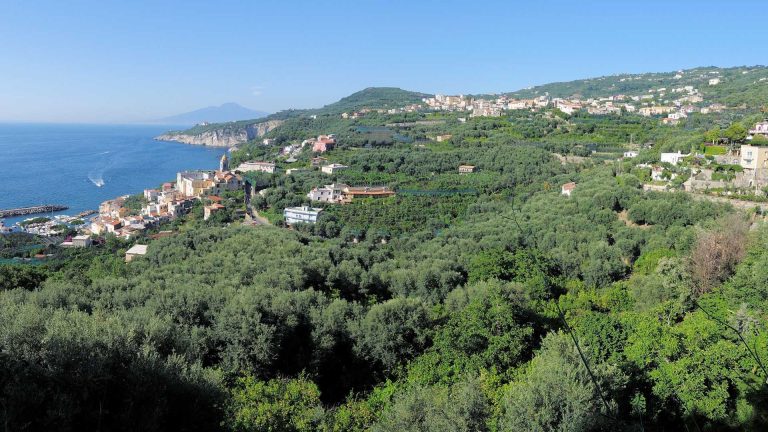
{"x": 135, "y": 251}
{"x": 630, "y": 154}
{"x": 759, "y": 129}
{"x": 330, "y": 193}
{"x": 673, "y": 158}
{"x": 267, "y": 167}
{"x": 302, "y": 214}
{"x": 333, "y": 168}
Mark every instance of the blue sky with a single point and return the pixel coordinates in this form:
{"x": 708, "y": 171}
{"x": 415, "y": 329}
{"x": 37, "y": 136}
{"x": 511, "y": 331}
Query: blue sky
{"x": 126, "y": 61}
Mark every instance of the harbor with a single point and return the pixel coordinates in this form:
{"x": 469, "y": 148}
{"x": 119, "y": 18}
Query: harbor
{"x": 21, "y": 211}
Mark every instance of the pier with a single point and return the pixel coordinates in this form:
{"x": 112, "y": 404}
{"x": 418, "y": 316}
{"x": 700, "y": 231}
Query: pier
{"x": 85, "y": 213}
{"x": 32, "y": 210}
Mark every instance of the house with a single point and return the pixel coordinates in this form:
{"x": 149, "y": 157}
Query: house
{"x": 211, "y": 209}
{"x": 333, "y": 168}
{"x": 151, "y": 194}
{"x": 324, "y": 143}
{"x": 304, "y": 214}
{"x": 193, "y": 183}
{"x": 714, "y": 81}
{"x": 269, "y": 141}
{"x": 81, "y": 241}
{"x": 180, "y": 207}
{"x": 655, "y": 110}
{"x": 290, "y": 171}
{"x": 759, "y": 129}
{"x": 330, "y": 193}
{"x": 444, "y": 137}
{"x": 111, "y": 225}
{"x": 259, "y": 166}
{"x": 657, "y": 173}
{"x": 567, "y": 188}
{"x": 630, "y": 154}
{"x": 753, "y": 157}
{"x": 135, "y": 251}
{"x": 112, "y": 208}
{"x": 672, "y": 158}
{"x": 466, "y": 169}
{"x": 567, "y": 107}
{"x": 225, "y": 181}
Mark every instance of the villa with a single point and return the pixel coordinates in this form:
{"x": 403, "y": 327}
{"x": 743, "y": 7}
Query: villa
{"x": 304, "y": 214}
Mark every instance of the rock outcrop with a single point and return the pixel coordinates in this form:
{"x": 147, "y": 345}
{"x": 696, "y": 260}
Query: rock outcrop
{"x": 225, "y": 136}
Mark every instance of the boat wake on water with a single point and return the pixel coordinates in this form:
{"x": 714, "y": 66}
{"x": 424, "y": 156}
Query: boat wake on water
{"x": 96, "y": 176}
{"x": 96, "y": 180}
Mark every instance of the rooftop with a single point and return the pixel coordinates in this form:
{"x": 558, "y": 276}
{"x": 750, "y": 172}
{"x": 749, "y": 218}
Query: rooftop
{"x": 138, "y": 249}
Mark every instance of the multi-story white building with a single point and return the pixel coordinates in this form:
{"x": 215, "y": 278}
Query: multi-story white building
{"x": 330, "y": 193}
{"x": 193, "y": 183}
{"x": 303, "y": 214}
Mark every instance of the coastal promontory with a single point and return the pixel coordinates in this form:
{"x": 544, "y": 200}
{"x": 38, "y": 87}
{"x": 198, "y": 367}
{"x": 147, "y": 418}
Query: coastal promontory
{"x": 221, "y": 134}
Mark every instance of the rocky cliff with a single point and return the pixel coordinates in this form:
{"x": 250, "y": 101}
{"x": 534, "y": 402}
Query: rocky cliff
{"x": 223, "y": 136}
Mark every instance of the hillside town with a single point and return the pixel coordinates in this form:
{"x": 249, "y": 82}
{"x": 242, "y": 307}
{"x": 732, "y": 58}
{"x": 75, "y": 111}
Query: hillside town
{"x": 166, "y": 203}
{"x": 672, "y": 104}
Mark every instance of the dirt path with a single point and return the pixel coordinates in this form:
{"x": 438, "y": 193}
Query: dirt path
{"x": 256, "y": 219}
{"x": 625, "y": 218}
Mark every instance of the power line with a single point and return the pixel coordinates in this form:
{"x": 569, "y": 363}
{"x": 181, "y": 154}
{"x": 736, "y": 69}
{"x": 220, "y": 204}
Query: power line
{"x": 568, "y": 328}
{"x": 738, "y": 333}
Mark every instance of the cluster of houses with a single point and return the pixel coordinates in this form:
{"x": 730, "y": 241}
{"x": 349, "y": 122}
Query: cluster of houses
{"x": 171, "y": 200}
{"x": 646, "y": 105}
{"x": 673, "y": 103}
{"x": 748, "y": 167}
{"x": 362, "y": 112}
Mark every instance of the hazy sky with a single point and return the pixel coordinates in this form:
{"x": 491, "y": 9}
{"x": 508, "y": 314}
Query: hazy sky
{"x": 124, "y": 61}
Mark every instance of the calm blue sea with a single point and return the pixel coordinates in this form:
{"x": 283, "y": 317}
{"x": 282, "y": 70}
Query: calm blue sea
{"x": 62, "y": 164}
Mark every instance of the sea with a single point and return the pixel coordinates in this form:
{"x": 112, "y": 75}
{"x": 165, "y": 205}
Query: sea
{"x": 80, "y": 166}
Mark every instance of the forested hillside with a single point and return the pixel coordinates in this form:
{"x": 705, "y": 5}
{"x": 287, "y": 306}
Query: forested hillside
{"x": 462, "y": 320}
{"x": 491, "y": 300}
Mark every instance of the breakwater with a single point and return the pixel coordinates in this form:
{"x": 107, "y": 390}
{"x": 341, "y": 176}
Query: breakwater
{"x": 21, "y": 211}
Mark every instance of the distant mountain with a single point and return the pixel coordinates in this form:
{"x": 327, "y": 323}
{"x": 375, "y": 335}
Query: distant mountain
{"x": 234, "y": 132}
{"x": 214, "y": 114}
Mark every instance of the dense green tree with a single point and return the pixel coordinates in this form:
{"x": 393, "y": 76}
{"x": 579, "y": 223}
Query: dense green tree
{"x": 393, "y": 332}
{"x": 458, "y": 408}
{"x": 279, "y": 405}
{"x": 557, "y": 394}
